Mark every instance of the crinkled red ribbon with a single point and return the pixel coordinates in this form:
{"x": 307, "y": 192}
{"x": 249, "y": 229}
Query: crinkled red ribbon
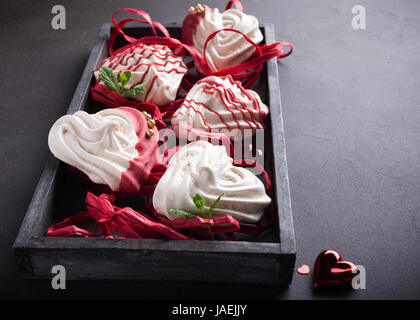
{"x": 102, "y": 94}
{"x": 136, "y": 224}
{"x": 261, "y": 55}
{"x": 229, "y": 224}
{"x": 111, "y": 219}
{"x": 176, "y": 45}
{"x": 120, "y": 25}
{"x": 221, "y": 225}
{"x": 237, "y": 72}
{"x": 231, "y": 3}
{"x": 247, "y": 72}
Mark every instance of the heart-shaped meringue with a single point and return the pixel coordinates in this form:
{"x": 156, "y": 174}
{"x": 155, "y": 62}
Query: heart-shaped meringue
{"x": 228, "y": 48}
{"x": 222, "y": 104}
{"x": 112, "y": 147}
{"x": 154, "y": 67}
{"x": 206, "y": 169}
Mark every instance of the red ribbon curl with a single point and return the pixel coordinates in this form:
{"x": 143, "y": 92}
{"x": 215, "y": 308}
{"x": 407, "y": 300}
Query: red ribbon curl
{"x": 246, "y": 72}
{"x": 130, "y": 223}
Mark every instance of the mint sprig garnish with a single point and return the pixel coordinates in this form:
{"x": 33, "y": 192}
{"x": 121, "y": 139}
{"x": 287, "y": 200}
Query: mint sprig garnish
{"x": 199, "y": 202}
{"x": 109, "y": 79}
{"x": 133, "y": 92}
{"x": 113, "y": 83}
{"x": 183, "y": 213}
{"x": 124, "y": 77}
{"x": 213, "y": 205}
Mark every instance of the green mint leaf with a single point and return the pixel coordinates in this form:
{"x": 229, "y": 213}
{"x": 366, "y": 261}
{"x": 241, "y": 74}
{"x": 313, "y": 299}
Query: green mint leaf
{"x": 109, "y": 79}
{"x": 134, "y": 92}
{"x": 128, "y": 75}
{"x": 183, "y": 213}
{"x": 214, "y": 204}
{"x": 124, "y": 78}
{"x": 199, "y": 201}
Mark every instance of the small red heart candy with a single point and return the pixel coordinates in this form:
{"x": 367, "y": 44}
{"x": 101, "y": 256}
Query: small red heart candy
{"x": 331, "y": 270}
{"x": 304, "y": 269}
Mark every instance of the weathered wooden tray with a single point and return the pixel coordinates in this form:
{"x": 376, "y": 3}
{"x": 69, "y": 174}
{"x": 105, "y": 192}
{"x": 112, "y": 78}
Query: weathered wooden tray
{"x": 268, "y": 258}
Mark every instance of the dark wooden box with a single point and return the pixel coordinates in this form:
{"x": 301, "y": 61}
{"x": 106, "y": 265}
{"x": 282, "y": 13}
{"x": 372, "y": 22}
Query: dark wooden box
{"x": 268, "y": 258}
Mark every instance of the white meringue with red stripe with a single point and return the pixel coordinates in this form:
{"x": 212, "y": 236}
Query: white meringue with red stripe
{"x": 206, "y": 169}
{"x": 221, "y": 104}
{"x": 111, "y": 147}
{"x": 227, "y": 48}
{"x": 154, "y": 67}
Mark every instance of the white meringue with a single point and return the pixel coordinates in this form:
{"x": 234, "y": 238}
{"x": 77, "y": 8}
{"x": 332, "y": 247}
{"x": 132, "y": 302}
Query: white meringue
{"x": 200, "y": 167}
{"x": 220, "y": 103}
{"x": 227, "y": 48}
{"x": 100, "y": 145}
{"x": 154, "y": 67}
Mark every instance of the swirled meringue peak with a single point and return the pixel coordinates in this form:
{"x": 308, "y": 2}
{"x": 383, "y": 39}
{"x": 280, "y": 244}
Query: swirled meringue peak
{"x": 111, "y": 147}
{"x": 154, "y": 67}
{"x": 220, "y": 103}
{"x": 206, "y": 169}
{"x": 227, "y": 48}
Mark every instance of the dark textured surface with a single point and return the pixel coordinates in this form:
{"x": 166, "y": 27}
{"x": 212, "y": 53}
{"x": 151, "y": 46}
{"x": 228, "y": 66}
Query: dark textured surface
{"x": 350, "y": 104}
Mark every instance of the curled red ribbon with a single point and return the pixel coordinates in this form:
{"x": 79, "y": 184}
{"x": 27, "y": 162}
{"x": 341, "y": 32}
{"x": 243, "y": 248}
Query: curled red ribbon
{"x": 120, "y": 25}
{"x": 232, "y": 3}
{"x": 134, "y": 224}
{"x": 102, "y": 94}
{"x": 246, "y": 72}
{"x": 125, "y": 221}
{"x": 236, "y": 71}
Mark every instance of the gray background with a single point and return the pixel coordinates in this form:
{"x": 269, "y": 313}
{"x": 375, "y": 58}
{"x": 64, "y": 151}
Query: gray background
{"x": 352, "y": 121}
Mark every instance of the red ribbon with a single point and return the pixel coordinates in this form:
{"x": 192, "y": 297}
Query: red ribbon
{"x": 138, "y": 225}
{"x": 247, "y": 72}
{"x": 119, "y": 27}
{"x": 102, "y": 94}
{"x": 231, "y": 3}
{"x": 178, "y": 47}
{"x": 220, "y": 225}
{"x": 125, "y": 221}
{"x": 236, "y": 71}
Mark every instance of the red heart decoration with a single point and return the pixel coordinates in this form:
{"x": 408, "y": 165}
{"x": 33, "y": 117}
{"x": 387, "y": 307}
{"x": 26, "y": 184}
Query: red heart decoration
{"x": 304, "y": 269}
{"x": 331, "y": 270}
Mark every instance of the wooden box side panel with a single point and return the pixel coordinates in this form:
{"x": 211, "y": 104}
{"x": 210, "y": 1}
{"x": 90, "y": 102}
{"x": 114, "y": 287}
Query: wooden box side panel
{"x": 281, "y": 187}
{"x": 153, "y": 265}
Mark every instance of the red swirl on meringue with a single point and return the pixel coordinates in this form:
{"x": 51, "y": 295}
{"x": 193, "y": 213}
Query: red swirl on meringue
{"x": 227, "y": 48}
{"x": 154, "y": 67}
{"x": 220, "y": 103}
{"x": 111, "y": 147}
